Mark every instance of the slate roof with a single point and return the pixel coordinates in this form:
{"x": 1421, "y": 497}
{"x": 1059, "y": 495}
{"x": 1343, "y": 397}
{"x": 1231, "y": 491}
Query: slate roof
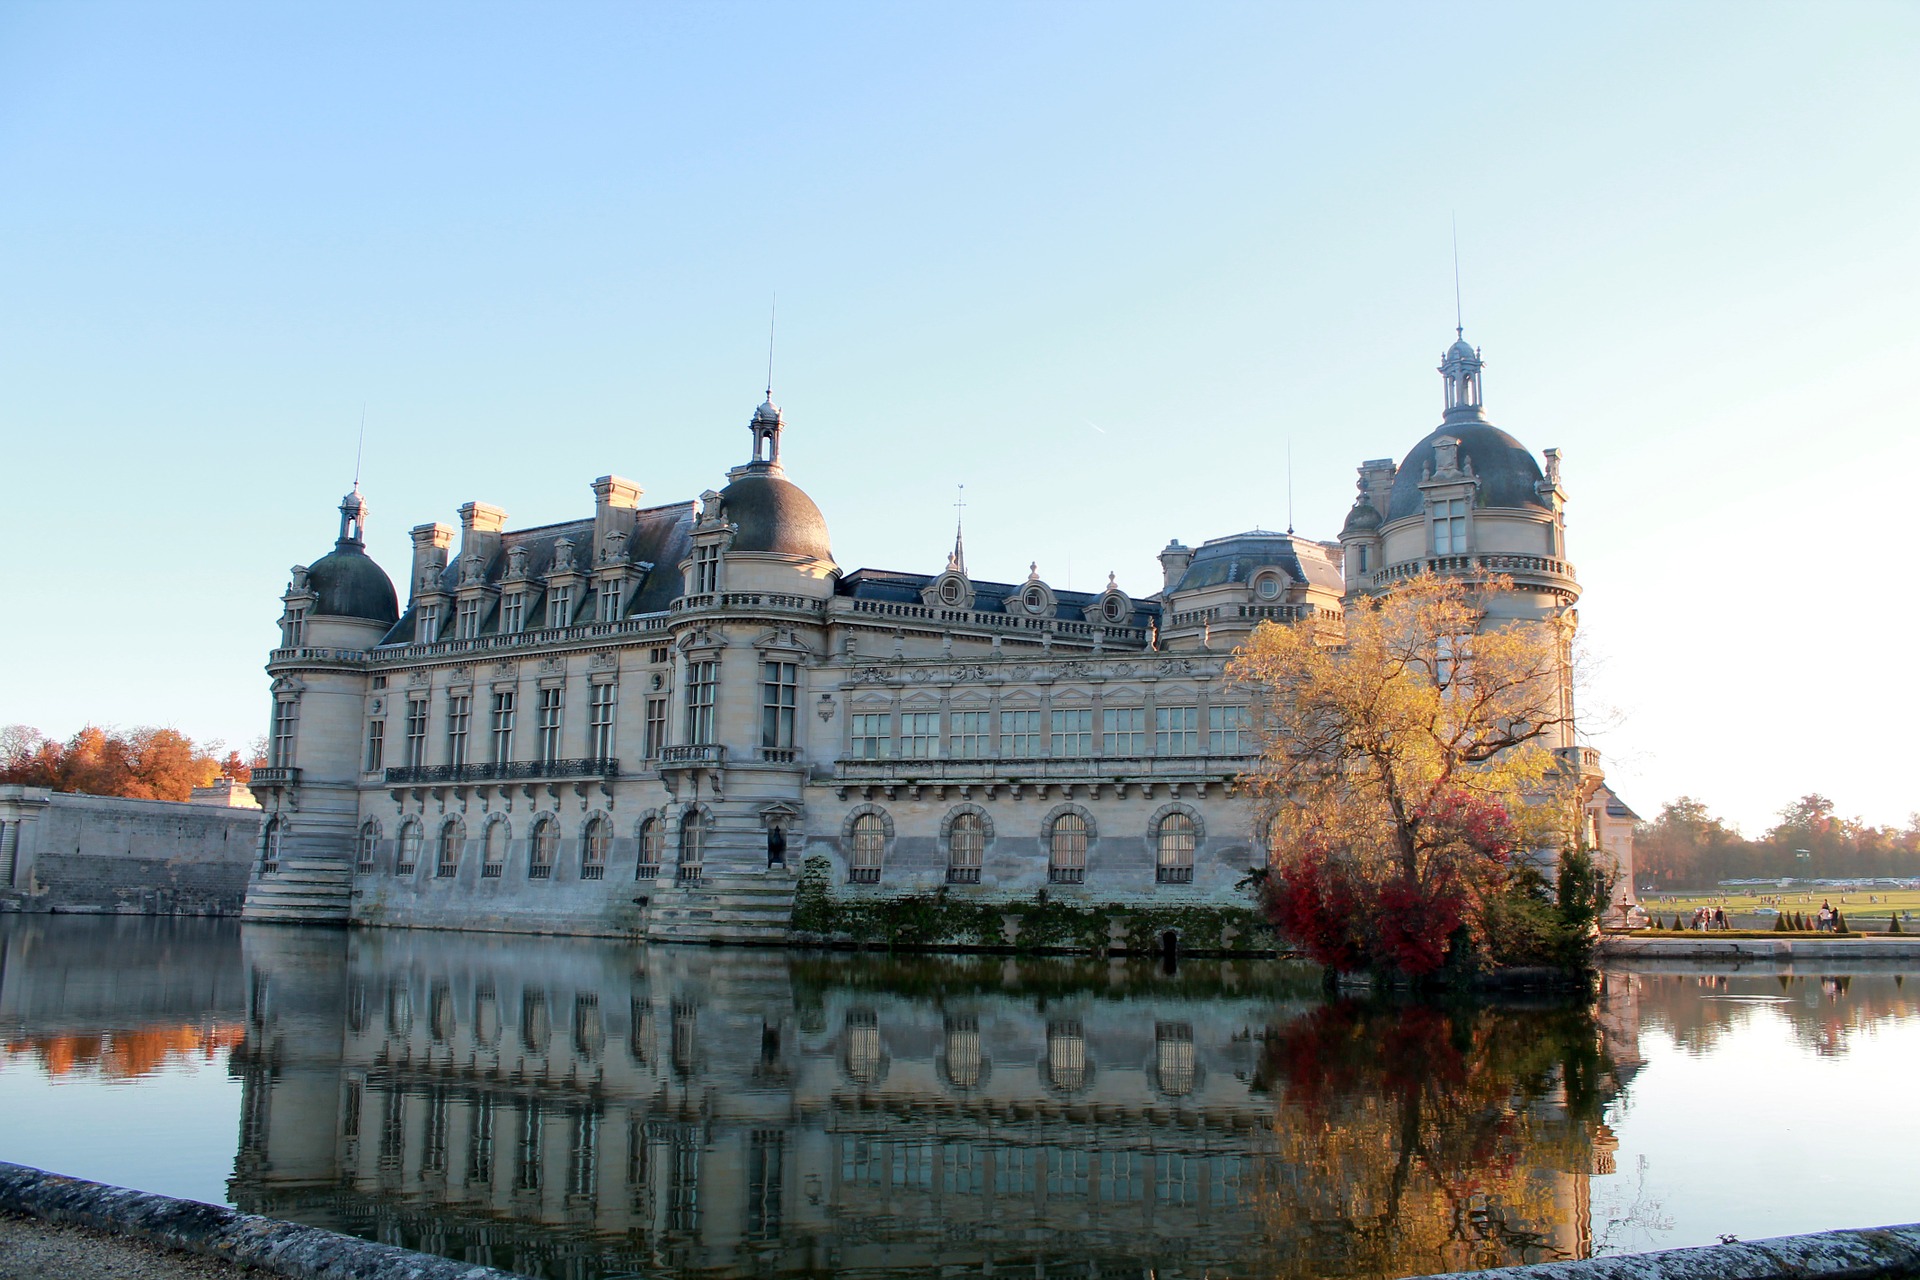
{"x": 1239, "y": 557}
{"x": 1506, "y": 469}
{"x": 350, "y": 585}
{"x": 988, "y": 597}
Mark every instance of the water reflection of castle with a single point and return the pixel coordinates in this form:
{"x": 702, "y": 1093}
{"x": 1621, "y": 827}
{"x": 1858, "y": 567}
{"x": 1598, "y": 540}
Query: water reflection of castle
{"x": 573, "y": 1108}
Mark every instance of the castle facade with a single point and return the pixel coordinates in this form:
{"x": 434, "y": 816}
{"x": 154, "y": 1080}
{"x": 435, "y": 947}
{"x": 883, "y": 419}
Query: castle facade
{"x": 642, "y": 721}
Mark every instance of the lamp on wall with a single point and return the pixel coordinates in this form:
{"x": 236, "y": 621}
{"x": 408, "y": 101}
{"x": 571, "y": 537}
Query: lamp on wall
{"x": 826, "y": 706}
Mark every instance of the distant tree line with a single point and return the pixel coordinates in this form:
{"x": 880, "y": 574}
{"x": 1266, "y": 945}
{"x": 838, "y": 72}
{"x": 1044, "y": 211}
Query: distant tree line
{"x": 143, "y": 763}
{"x": 1686, "y": 847}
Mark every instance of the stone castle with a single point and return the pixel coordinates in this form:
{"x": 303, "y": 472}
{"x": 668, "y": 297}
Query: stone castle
{"x": 641, "y": 722}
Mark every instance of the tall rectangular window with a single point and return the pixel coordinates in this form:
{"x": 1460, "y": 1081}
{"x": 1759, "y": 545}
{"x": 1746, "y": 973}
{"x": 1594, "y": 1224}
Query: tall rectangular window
{"x": 609, "y": 602}
{"x": 920, "y": 734}
{"x": 1019, "y": 733}
{"x": 779, "y": 696}
{"x": 872, "y": 736}
{"x": 703, "y": 686}
{"x": 502, "y": 727}
{"x": 1449, "y": 527}
{"x": 427, "y": 625}
{"x": 656, "y": 735}
{"x": 560, "y": 606}
{"x": 376, "y": 745}
{"x": 467, "y": 620}
{"x": 1176, "y": 731}
{"x": 286, "y": 714}
{"x": 600, "y": 721}
{"x": 972, "y": 735}
{"x": 1228, "y": 733}
{"x": 459, "y": 717}
{"x": 547, "y": 724}
{"x": 1125, "y": 729}
{"x": 706, "y": 570}
{"x": 1071, "y": 733}
{"x": 296, "y": 626}
{"x": 416, "y": 732}
{"x": 513, "y": 613}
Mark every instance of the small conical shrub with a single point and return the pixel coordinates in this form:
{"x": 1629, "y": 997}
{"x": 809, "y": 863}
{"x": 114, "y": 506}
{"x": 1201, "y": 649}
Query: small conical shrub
{"x": 1893, "y": 923}
{"x": 1779, "y": 924}
{"x": 1800, "y": 921}
{"x": 1839, "y": 921}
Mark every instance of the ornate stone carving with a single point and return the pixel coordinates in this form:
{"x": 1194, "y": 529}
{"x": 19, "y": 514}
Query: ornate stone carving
{"x": 516, "y": 562}
{"x": 562, "y": 556}
{"x": 553, "y": 665}
{"x": 603, "y": 661}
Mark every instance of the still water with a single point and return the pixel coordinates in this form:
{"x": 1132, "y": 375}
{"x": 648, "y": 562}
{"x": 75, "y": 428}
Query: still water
{"x": 589, "y": 1110}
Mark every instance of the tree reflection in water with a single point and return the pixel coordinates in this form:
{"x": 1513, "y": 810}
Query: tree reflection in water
{"x": 1419, "y": 1139}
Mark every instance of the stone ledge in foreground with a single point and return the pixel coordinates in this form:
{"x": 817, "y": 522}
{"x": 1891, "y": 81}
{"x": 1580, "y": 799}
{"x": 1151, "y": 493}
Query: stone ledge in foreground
{"x": 1870, "y": 1253}
{"x": 1785, "y": 947}
{"x": 283, "y": 1248}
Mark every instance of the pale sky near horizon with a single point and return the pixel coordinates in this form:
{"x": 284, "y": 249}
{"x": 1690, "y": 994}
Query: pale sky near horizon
{"x": 1100, "y": 263}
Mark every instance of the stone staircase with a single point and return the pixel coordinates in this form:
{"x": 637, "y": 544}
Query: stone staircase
{"x": 723, "y": 908}
{"x": 301, "y": 891}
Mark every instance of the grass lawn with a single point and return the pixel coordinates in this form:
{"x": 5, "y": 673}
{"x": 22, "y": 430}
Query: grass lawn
{"x": 1744, "y": 909}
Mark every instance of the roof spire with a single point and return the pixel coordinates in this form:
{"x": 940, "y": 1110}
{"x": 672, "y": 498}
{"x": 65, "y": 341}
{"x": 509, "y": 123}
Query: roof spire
{"x": 1459, "y": 329}
{"x": 773, "y": 314}
{"x": 767, "y": 419}
{"x": 957, "y": 562}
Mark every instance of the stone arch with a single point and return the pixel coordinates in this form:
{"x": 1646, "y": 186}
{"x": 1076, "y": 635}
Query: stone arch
{"x": 496, "y": 838}
{"x": 986, "y": 821}
{"x": 863, "y": 810}
{"x": 449, "y": 843}
{"x": 596, "y": 844}
{"x": 1165, "y": 811}
{"x": 543, "y": 845}
{"x": 1060, "y": 810}
{"x": 406, "y": 854}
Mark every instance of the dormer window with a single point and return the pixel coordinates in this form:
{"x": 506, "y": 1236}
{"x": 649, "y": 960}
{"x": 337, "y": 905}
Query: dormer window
{"x": 294, "y": 629}
{"x": 560, "y": 606}
{"x": 467, "y": 621}
{"x": 610, "y": 602}
{"x": 706, "y": 569}
{"x": 1035, "y": 599}
{"x": 428, "y": 628}
{"x": 513, "y": 613}
{"x": 950, "y": 592}
{"x": 1267, "y": 588}
{"x": 1450, "y": 527}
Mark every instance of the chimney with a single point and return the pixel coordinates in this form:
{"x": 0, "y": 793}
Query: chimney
{"x": 480, "y": 525}
{"x": 1173, "y": 563}
{"x": 1376, "y": 481}
{"x": 430, "y": 543}
{"x": 614, "y": 500}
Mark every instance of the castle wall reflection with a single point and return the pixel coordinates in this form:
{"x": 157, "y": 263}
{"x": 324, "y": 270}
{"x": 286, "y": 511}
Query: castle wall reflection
{"x": 577, "y": 1108}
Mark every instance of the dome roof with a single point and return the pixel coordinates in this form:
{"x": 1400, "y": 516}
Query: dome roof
{"x": 1363, "y": 516}
{"x": 1461, "y": 350}
{"x": 767, "y": 412}
{"x": 1506, "y": 470}
{"x": 774, "y": 514}
{"x": 1242, "y": 555}
{"x": 350, "y": 585}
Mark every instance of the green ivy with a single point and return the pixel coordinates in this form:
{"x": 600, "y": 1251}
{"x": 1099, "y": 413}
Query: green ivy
{"x": 1040, "y": 923}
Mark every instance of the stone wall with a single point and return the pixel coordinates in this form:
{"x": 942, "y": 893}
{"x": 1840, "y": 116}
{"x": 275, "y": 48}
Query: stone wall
{"x": 61, "y": 852}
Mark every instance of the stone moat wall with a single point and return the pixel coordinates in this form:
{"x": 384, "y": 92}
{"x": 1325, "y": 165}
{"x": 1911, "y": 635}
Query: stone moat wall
{"x": 61, "y": 852}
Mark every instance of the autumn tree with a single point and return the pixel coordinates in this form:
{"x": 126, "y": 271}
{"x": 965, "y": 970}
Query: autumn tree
{"x": 1404, "y": 769}
{"x": 144, "y": 763}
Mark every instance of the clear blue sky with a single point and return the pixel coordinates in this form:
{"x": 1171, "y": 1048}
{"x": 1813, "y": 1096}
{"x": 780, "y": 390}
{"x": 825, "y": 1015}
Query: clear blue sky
{"x": 1098, "y": 262}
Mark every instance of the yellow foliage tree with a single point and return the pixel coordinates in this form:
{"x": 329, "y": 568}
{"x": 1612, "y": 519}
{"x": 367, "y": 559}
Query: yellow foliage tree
{"x": 1403, "y": 766}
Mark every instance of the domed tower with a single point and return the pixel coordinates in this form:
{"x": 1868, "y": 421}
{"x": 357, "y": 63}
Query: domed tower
{"x": 1468, "y": 499}
{"x": 333, "y": 612}
{"x": 748, "y": 633}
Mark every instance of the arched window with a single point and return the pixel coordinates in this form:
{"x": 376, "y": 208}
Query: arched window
{"x": 409, "y": 854}
{"x": 270, "y": 845}
{"x": 363, "y": 851}
{"x": 866, "y": 1059}
{"x": 1066, "y": 1056}
{"x": 452, "y": 836}
{"x": 693, "y": 845}
{"x": 653, "y": 841}
{"x": 1067, "y": 850}
{"x": 1173, "y": 863}
{"x": 494, "y": 860}
{"x": 593, "y": 848}
{"x": 966, "y": 844}
{"x": 536, "y": 1022}
{"x": 869, "y": 848}
{"x": 965, "y": 1065}
{"x": 545, "y": 848}
{"x": 1173, "y": 1063}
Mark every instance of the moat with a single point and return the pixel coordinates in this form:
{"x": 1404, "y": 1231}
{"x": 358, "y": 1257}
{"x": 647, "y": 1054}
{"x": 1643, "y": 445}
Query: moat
{"x": 589, "y": 1109}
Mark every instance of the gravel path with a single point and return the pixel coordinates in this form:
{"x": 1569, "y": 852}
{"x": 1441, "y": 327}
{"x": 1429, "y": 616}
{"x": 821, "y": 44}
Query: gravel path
{"x": 34, "y": 1249}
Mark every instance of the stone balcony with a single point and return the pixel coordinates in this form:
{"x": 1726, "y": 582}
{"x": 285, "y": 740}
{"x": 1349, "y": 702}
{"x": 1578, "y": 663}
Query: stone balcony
{"x": 502, "y": 771}
{"x": 266, "y": 777}
{"x": 1525, "y": 570}
{"x": 1044, "y": 775}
